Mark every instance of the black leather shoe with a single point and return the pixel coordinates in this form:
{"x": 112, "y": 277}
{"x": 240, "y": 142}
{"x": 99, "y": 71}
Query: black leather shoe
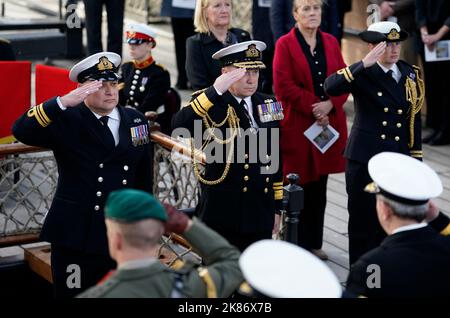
{"x": 440, "y": 140}
{"x": 430, "y": 137}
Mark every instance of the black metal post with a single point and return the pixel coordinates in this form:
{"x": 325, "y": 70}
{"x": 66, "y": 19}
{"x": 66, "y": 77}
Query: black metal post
{"x": 293, "y": 197}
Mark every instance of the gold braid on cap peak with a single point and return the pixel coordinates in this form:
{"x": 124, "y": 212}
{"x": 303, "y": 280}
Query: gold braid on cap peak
{"x": 393, "y": 35}
{"x": 415, "y": 95}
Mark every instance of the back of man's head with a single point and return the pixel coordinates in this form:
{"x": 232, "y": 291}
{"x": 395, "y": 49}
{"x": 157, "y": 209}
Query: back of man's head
{"x": 142, "y": 235}
{"x": 135, "y": 219}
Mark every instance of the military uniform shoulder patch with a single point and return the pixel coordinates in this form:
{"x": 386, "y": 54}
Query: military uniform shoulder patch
{"x": 198, "y": 92}
{"x": 101, "y": 290}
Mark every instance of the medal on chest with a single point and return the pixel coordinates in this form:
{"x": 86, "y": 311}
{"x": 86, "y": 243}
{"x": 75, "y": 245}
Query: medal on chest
{"x": 270, "y": 111}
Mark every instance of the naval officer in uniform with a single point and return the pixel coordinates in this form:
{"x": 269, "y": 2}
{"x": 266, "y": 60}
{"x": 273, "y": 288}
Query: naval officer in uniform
{"x": 144, "y": 83}
{"x": 99, "y": 147}
{"x": 136, "y": 221}
{"x": 388, "y": 96}
{"x": 241, "y": 190}
{"x": 414, "y": 260}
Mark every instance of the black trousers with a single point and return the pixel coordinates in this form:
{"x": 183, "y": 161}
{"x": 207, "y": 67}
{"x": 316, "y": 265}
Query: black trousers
{"x": 242, "y": 241}
{"x": 67, "y": 264}
{"x": 311, "y": 218}
{"x": 182, "y": 29}
{"x": 437, "y": 96}
{"x": 364, "y": 230}
{"x": 115, "y": 12}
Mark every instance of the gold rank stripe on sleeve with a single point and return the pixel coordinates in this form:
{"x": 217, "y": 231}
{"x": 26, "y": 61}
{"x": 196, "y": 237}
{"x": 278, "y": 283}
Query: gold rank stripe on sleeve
{"x": 201, "y": 105}
{"x": 416, "y": 153}
{"x": 347, "y": 74}
{"x": 278, "y": 190}
{"x": 446, "y": 231}
{"x": 211, "y": 290}
{"x": 40, "y": 115}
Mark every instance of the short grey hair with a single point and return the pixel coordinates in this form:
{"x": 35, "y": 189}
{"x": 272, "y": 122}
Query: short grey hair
{"x": 415, "y": 212}
{"x": 142, "y": 234}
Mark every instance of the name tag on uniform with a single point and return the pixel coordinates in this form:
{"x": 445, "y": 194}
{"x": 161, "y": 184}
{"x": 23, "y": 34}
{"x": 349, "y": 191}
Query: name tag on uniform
{"x": 140, "y": 135}
{"x": 270, "y": 111}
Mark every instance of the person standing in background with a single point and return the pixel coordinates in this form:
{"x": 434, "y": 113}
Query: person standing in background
{"x": 94, "y": 15}
{"x": 262, "y": 32}
{"x": 182, "y": 20}
{"x": 433, "y": 19}
{"x": 333, "y": 14}
{"x": 281, "y": 19}
{"x": 303, "y": 59}
{"x": 213, "y": 23}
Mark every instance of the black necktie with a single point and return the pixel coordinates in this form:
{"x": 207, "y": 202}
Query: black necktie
{"x": 390, "y": 73}
{"x": 250, "y": 122}
{"x": 108, "y": 134}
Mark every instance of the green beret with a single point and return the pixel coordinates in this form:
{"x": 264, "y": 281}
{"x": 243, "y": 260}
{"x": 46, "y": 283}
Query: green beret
{"x": 129, "y": 205}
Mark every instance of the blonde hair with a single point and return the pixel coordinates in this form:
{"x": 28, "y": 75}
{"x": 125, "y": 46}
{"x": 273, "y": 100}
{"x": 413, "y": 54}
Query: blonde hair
{"x": 200, "y": 22}
{"x": 298, "y": 3}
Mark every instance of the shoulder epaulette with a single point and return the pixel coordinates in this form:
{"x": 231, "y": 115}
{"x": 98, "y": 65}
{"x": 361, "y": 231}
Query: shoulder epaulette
{"x": 198, "y": 92}
{"x": 161, "y": 66}
{"x": 416, "y": 67}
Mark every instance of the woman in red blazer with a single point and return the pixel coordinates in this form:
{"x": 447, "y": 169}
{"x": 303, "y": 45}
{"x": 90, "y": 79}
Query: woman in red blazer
{"x": 304, "y": 58}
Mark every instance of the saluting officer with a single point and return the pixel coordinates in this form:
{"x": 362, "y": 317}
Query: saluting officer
{"x": 136, "y": 222}
{"x": 414, "y": 260}
{"x": 144, "y": 83}
{"x": 242, "y": 185}
{"x": 99, "y": 147}
{"x": 388, "y": 96}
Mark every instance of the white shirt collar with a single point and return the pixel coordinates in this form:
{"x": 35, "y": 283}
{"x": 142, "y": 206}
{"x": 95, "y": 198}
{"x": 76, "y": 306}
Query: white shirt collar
{"x": 113, "y": 115}
{"x": 394, "y": 68}
{"x": 248, "y": 100}
{"x": 410, "y": 227}
{"x": 138, "y": 263}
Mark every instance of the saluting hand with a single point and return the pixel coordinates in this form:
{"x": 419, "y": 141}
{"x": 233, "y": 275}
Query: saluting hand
{"x": 224, "y": 81}
{"x": 78, "y": 95}
{"x": 373, "y": 56}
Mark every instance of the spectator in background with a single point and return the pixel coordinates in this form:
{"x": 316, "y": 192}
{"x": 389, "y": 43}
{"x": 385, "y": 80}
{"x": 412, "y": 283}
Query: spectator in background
{"x": 94, "y": 16}
{"x": 6, "y": 51}
{"x": 263, "y": 32}
{"x": 401, "y": 12}
{"x": 213, "y": 26}
{"x": 182, "y": 20}
{"x": 303, "y": 60}
{"x": 333, "y": 17}
{"x": 333, "y": 12}
{"x": 433, "y": 19}
{"x": 281, "y": 19}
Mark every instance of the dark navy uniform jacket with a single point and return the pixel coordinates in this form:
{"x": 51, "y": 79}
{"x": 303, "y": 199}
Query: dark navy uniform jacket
{"x": 412, "y": 263}
{"x": 145, "y": 88}
{"x": 88, "y": 169}
{"x": 246, "y": 201}
{"x": 382, "y": 112}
